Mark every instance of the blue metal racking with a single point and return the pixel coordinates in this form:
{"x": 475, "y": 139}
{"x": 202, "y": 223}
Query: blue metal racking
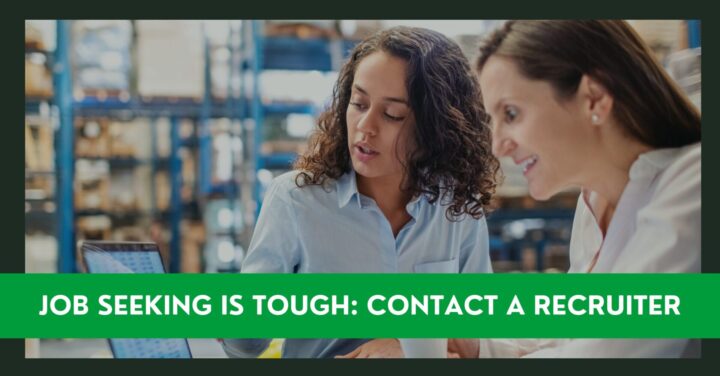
{"x": 284, "y": 53}
{"x": 65, "y": 165}
{"x": 92, "y": 106}
{"x": 693, "y": 27}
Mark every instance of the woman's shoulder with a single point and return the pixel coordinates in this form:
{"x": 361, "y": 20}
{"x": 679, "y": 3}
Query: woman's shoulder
{"x": 289, "y": 186}
{"x": 678, "y": 185}
{"x": 285, "y": 182}
{"x": 688, "y": 156}
{"x": 684, "y": 169}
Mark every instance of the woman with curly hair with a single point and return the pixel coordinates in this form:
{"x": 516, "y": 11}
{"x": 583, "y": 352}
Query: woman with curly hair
{"x": 397, "y": 178}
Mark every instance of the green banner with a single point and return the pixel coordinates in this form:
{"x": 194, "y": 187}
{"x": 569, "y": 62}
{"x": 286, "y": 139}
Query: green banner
{"x": 360, "y": 305}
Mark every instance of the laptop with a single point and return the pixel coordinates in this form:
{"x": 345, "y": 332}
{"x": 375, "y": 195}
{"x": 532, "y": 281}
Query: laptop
{"x": 132, "y": 257}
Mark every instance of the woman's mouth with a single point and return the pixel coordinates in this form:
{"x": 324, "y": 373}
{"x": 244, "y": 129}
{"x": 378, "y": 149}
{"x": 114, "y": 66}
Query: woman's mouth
{"x": 364, "y": 152}
{"x": 528, "y": 163}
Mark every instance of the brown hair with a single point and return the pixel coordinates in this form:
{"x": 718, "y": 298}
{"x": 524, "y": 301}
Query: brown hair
{"x": 647, "y": 103}
{"x": 453, "y": 154}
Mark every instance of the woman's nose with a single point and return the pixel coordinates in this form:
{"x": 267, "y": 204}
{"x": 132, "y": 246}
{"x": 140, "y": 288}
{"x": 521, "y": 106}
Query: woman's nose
{"x": 502, "y": 146}
{"x": 368, "y": 124}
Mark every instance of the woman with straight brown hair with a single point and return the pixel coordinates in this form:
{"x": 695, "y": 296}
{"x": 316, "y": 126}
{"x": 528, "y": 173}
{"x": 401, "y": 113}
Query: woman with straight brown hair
{"x": 585, "y": 104}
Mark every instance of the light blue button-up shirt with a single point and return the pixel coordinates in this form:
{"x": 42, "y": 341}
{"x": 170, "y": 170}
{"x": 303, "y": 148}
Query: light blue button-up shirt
{"x": 335, "y": 229}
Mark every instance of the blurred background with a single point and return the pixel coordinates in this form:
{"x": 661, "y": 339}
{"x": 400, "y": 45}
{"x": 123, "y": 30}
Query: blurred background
{"x": 170, "y": 131}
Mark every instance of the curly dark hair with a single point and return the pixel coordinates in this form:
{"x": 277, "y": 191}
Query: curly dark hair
{"x": 453, "y": 159}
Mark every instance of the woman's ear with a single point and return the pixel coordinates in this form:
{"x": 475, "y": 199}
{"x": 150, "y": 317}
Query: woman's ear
{"x": 597, "y": 101}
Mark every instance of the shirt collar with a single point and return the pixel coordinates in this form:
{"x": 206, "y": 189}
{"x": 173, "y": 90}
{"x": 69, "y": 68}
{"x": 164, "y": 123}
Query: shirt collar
{"x": 347, "y": 189}
{"x": 412, "y": 207}
{"x": 653, "y": 162}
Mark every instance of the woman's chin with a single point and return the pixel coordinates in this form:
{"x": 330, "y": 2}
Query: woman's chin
{"x": 363, "y": 170}
{"x": 540, "y": 193}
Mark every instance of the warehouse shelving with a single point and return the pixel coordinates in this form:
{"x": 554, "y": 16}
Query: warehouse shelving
{"x": 34, "y": 105}
{"x": 39, "y": 206}
{"x": 231, "y": 108}
{"x": 513, "y": 229}
{"x": 234, "y": 108}
{"x": 89, "y": 106}
{"x": 285, "y": 53}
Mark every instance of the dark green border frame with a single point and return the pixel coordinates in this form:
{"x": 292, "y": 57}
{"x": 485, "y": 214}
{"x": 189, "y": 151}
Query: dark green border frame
{"x": 13, "y": 258}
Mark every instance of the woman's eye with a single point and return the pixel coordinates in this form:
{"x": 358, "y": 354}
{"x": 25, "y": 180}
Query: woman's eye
{"x": 358, "y": 105}
{"x": 510, "y": 114}
{"x": 394, "y": 118}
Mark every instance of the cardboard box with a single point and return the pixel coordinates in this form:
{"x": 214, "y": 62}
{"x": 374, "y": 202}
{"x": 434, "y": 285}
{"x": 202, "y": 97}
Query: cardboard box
{"x": 161, "y": 236}
{"x": 162, "y": 131}
{"x": 92, "y": 185}
{"x": 38, "y": 80}
{"x": 124, "y": 196}
{"x": 122, "y": 142}
{"x": 193, "y": 234}
{"x": 556, "y": 257}
{"x": 92, "y": 195}
{"x": 189, "y": 169}
{"x": 142, "y": 186}
{"x": 39, "y": 146}
{"x": 529, "y": 259}
{"x": 40, "y": 34}
{"x": 40, "y": 254}
{"x": 96, "y": 227}
{"x": 131, "y": 139}
{"x": 663, "y": 36}
{"x": 191, "y": 261}
{"x": 359, "y": 29}
{"x": 162, "y": 190}
{"x": 283, "y": 146}
{"x": 33, "y": 37}
{"x": 41, "y": 186}
{"x": 45, "y": 149}
{"x": 101, "y": 55}
{"x": 131, "y": 234}
{"x": 301, "y": 29}
{"x": 170, "y": 59}
{"x": 31, "y": 158}
{"x": 92, "y": 138}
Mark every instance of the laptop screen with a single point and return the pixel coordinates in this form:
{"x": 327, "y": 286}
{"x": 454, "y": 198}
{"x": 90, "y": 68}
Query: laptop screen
{"x": 122, "y": 257}
{"x": 131, "y": 257}
{"x": 150, "y": 348}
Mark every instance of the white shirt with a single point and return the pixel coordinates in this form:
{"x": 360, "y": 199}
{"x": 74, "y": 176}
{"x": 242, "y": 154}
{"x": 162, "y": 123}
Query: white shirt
{"x": 656, "y": 228}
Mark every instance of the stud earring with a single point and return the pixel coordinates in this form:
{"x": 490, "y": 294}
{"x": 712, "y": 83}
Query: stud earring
{"x": 595, "y": 119}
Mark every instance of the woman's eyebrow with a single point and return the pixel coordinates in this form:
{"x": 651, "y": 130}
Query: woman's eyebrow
{"x": 498, "y": 105}
{"x": 388, "y": 99}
